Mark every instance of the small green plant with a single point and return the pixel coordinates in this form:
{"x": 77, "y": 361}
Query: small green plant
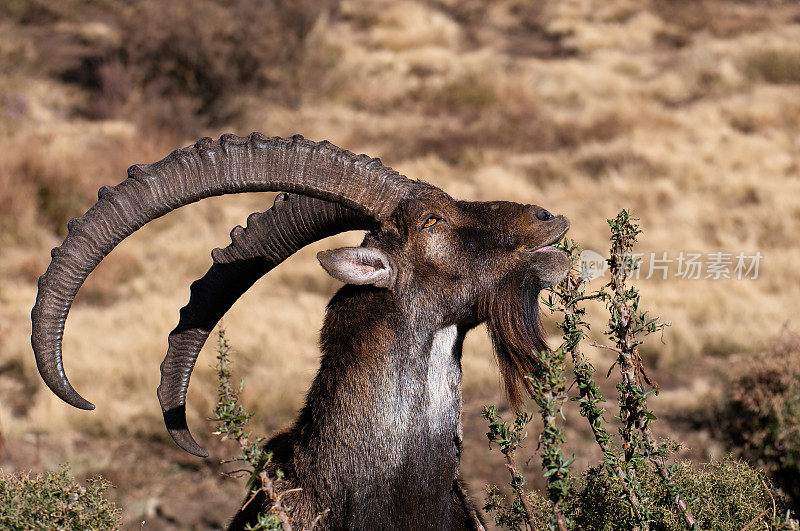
{"x": 633, "y": 487}
{"x": 230, "y": 415}
{"x": 55, "y": 500}
{"x": 508, "y": 438}
{"x": 232, "y": 418}
{"x": 628, "y": 325}
{"x": 549, "y": 393}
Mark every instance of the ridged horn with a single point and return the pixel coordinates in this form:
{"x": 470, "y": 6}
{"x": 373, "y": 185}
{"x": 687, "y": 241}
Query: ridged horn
{"x": 269, "y": 238}
{"x": 209, "y": 168}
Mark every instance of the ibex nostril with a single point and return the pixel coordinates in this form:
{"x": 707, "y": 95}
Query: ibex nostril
{"x": 543, "y": 215}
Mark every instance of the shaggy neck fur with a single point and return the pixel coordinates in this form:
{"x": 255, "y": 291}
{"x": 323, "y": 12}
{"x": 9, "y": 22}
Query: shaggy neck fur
{"x": 378, "y": 442}
{"x": 381, "y": 429}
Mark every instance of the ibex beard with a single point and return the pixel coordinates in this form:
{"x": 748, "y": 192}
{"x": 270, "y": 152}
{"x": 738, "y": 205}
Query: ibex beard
{"x": 378, "y": 442}
{"x": 516, "y": 331}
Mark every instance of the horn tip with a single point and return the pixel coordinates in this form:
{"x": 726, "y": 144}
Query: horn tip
{"x": 58, "y": 383}
{"x": 185, "y": 440}
{"x": 71, "y": 397}
{"x": 175, "y": 420}
{"x": 85, "y": 405}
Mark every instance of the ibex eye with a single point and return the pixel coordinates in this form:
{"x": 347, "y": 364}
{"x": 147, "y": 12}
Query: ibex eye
{"x": 430, "y": 222}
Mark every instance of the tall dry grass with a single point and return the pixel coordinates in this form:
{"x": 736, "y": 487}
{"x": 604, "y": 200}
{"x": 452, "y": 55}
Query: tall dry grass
{"x": 686, "y": 115}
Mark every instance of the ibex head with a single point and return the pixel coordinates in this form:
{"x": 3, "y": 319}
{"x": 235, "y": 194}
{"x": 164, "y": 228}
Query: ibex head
{"x": 463, "y": 263}
{"x": 455, "y": 262}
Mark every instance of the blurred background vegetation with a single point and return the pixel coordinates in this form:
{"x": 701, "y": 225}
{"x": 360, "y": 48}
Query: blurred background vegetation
{"x": 687, "y": 112}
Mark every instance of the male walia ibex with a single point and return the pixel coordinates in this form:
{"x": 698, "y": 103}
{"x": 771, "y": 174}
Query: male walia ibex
{"x": 378, "y": 441}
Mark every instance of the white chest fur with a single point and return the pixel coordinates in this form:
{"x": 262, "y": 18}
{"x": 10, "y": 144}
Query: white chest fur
{"x": 444, "y": 383}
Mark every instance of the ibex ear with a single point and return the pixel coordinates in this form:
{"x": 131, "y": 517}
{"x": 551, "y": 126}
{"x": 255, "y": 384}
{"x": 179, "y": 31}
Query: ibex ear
{"x": 358, "y": 265}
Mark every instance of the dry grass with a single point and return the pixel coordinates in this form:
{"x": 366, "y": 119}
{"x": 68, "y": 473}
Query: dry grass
{"x": 687, "y": 118}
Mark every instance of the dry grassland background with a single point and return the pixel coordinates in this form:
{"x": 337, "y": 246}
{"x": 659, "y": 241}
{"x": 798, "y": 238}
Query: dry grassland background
{"x": 687, "y": 112}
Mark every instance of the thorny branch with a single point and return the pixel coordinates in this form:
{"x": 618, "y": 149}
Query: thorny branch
{"x": 549, "y": 393}
{"x": 515, "y": 475}
{"x": 552, "y": 459}
{"x": 231, "y": 420}
{"x": 568, "y": 293}
{"x": 508, "y": 438}
{"x": 627, "y": 321}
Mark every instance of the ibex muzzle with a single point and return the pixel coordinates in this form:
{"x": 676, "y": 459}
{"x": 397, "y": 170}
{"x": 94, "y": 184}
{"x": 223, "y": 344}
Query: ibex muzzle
{"x": 379, "y": 438}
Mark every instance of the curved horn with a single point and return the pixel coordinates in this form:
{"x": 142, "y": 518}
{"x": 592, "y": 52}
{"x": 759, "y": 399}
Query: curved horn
{"x": 269, "y": 238}
{"x": 230, "y": 165}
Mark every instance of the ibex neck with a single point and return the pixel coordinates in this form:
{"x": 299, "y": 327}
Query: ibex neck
{"x": 383, "y": 417}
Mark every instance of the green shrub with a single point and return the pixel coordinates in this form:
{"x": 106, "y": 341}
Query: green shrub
{"x": 775, "y": 66}
{"x": 724, "y": 495}
{"x": 55, "y": 501}
{"x": 759, "y": 417}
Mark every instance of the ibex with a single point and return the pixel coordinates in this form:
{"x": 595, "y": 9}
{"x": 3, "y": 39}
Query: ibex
{"x": 379, "y": 438}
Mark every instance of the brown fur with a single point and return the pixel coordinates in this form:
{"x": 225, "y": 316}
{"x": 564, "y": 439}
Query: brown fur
{"x": 516, "y": 332}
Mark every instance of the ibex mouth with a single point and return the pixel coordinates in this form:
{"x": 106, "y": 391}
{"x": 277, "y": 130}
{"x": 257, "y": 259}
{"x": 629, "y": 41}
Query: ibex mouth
{"x": 548, "y": 245}
{"x": 544, "y": 249}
